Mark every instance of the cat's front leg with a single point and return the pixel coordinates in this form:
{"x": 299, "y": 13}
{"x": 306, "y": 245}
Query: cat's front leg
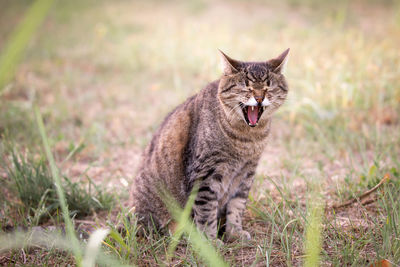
{"x": 234, "y": 215}
{"x": 205, "y": 209}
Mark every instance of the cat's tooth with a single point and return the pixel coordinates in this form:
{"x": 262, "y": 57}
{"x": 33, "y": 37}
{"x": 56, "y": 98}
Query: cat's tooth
{"x": 252, "y": 108}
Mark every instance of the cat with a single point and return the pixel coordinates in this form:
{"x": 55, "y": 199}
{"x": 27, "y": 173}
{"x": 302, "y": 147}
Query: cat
{"x": 215, "y": 138}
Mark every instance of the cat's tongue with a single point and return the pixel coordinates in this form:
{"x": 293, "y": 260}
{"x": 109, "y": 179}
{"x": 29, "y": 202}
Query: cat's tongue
{"x": 252, "y": 114}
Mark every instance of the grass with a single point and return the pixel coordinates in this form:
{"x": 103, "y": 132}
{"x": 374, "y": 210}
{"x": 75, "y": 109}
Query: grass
{"x": 32, "y": 184}
{"x": 104, "y": 75}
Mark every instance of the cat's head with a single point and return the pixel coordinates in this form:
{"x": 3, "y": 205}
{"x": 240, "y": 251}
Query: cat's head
{"x": 251, "y": 91}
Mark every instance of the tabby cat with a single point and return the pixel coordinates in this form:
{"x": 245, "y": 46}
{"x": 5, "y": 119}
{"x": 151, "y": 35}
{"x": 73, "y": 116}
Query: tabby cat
{"x": 215, "y": 138}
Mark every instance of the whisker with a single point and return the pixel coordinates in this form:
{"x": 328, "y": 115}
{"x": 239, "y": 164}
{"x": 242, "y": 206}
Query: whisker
{"x": 231, "y": 111}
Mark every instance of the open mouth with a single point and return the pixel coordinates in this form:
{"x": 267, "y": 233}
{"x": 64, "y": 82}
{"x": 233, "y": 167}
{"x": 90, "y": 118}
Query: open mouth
{"x": 252, "y": 114}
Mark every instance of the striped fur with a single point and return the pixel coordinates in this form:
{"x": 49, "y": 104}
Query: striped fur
{"x": 208, "y": 140}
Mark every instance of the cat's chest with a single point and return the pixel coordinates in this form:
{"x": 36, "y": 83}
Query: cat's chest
{"x": 247, "y": 144}
{"x": 250, "y": 150}
{"x": 232, "y": 180}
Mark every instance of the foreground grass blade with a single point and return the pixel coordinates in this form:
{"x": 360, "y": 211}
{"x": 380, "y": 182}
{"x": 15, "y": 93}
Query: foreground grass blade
{"x": 312, "y": 243}
{"x": 60, "y": 193}
{"x": 184, "y": 217}
{"x": 200, "y": 243}
{"x": 51, "y": 240}
{"x": 93, "y": 247}
{"x": 203, "y": 247}
{"x": 18, "y": 240}
{"x": 18, "y": 42}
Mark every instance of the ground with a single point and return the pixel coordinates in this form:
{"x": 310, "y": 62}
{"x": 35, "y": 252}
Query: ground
{"x": 105, "y": 73}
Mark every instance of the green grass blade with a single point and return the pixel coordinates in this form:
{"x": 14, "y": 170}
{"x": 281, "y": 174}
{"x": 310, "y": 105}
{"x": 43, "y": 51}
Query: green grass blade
{"x": 184, "y": 217}
{"x": 18, "y": 42}
{"x": 199, "y": 242}
{"x": 118, "y": 238}
{"x": 203, "y": 247}
{"x": 57, "y": 181}
{"x": 312, "y": 242}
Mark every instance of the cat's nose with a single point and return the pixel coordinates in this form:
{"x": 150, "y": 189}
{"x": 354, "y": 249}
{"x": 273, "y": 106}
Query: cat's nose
{"x": 259, "y": 99}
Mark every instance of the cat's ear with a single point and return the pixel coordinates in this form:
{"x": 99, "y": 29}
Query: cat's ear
{"x": 278, "y": 64}
{"x": 229, "y": 65}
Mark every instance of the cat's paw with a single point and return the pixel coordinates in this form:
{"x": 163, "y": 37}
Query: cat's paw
{"x": 238, "y": 235}
{"x": 245, "y": 235}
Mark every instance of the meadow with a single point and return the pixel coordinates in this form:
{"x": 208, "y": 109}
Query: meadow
{"x": 102, "y": 75}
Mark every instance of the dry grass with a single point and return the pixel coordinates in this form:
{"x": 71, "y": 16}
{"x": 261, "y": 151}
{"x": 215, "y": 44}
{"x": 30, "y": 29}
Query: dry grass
{"x": 105, "y": 74}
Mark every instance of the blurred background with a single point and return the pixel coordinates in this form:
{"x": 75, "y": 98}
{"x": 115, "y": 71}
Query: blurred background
{"x": 105, "y": 73}
{"x": 110, "y": 70}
